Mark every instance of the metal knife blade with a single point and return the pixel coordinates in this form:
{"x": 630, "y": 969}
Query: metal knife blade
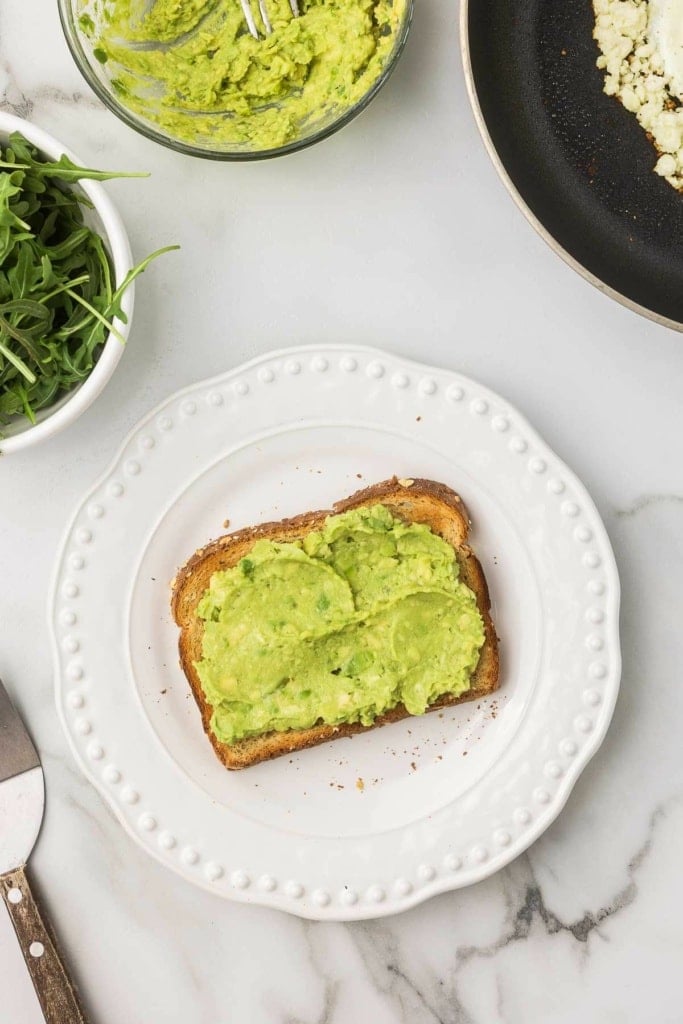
{"x": 17, "y": 753}
{"x": 22, "y": 789}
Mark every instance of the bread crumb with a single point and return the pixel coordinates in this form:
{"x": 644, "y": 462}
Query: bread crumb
{"x": 418, "y": 419}
{"x": 359, "y": 476}
{"x": 163, "y": 692}
{"x": 413, "y": 766}
{"x": 360, "y": 785}
{"x": 226, "y": 524}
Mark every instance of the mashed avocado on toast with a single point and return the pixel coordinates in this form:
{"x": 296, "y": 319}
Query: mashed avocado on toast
{"x": 365, "y": 613}
{"x": 184, "y": 66}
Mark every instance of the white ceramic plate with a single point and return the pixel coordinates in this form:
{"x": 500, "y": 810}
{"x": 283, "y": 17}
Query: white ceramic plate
{"x": 444, "y": 800}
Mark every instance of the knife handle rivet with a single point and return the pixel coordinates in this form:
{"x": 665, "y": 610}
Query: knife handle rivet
{"x": 36, "y": 949}
{"x": 83, "y": 726}
{"x": 75, "y": 671}
{"x": 70, "y": 590}
{"x": 15, "y": 895}
{"x": 96, "y": 752}
{"x": 69, "y": 618}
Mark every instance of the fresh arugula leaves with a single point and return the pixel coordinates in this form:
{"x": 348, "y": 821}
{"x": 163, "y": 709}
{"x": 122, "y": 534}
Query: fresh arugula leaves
{"x": 57, "y": 297}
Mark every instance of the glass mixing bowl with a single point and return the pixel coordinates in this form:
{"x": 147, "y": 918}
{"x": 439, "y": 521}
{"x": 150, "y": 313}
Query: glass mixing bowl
{"x": 78, "y": 17}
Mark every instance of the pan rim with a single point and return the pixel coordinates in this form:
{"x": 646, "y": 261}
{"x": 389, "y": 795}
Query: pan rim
{"x": 521, "y": 203}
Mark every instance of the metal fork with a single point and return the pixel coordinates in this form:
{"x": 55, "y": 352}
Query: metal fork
{"x": 263, "y": 10}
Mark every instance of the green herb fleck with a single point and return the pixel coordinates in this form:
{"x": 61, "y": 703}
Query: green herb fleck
{"x": 87, "y": 24}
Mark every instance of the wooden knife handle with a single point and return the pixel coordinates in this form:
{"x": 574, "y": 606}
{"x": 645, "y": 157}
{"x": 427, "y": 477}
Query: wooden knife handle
{"x": 55, "y": 990}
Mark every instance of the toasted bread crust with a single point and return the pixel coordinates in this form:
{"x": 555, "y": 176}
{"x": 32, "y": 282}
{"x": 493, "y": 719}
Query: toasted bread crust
{"x": 416, "y": 500}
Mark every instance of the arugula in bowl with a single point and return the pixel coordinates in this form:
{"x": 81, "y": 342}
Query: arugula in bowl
{"x": 58, "y": 299}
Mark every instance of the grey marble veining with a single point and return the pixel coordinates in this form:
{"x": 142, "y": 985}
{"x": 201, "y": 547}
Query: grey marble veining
{"x": 646, "y": 502}
{"x": 410, "y": 243}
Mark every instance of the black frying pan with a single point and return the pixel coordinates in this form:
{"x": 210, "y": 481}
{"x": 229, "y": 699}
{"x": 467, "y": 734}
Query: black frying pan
{"x": 579, "y": 162}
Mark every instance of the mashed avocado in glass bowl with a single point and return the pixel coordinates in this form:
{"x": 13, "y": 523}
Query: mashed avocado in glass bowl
{"x": 188, "y": 73}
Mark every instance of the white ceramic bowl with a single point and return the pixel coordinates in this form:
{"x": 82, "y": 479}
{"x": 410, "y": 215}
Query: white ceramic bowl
{"x": 104, "y": 219}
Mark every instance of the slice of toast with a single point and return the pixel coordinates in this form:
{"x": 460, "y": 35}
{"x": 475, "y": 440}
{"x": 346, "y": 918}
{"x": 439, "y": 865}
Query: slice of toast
{"x": 418, "y": 501}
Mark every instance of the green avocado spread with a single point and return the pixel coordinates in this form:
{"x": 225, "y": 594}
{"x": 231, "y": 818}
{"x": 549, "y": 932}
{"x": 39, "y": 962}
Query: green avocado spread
{"x": 192, "y": 68}
{"x": 362, "y": 615}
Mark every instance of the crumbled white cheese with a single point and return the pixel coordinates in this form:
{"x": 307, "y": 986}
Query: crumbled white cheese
{"x": 641, "y": 44}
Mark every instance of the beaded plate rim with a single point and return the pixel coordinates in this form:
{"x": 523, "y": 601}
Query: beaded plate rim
{"x": 560, "y": 772}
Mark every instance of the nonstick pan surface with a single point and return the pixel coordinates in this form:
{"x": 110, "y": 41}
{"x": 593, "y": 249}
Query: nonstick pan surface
{"x": 577, "y": 162}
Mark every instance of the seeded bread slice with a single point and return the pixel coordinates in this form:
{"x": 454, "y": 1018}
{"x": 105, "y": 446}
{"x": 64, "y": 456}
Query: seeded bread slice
{"x": 417, "y": 501}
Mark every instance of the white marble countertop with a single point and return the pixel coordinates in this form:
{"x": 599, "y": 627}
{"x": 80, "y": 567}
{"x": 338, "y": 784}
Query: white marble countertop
{"x": 395, "y": 233}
